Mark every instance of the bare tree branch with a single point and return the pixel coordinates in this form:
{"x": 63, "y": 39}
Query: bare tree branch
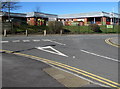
{"x": 8, "y": 6}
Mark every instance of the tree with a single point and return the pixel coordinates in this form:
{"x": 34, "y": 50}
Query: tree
{"x": 8, "y": 6}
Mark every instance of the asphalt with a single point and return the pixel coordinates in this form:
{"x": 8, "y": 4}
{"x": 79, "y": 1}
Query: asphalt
{"x": 24, "y": 72}
{"x": 97, "y": 65}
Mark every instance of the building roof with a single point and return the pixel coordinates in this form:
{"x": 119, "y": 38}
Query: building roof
{"x": 29, "y": 14}
{"x": 12, "y": 14}
{"x": 45, "y": 15}
{"x": 40, "y": 14}
{"x": 91, "y": 14}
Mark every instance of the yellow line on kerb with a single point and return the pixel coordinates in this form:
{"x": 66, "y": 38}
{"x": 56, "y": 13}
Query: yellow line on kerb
{"x": 111, "y": 43}
{"x": 79, "y": 71}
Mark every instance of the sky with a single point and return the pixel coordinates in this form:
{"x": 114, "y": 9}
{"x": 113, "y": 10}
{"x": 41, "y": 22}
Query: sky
{"x": 68, "y": 7}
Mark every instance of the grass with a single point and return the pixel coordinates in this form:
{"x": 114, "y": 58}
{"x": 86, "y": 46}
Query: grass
{"x": 70, "y": 29}
{"x": 86, "y": 29}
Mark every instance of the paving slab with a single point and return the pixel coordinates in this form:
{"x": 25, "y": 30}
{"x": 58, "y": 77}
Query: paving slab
{"x": 65, "y": 78}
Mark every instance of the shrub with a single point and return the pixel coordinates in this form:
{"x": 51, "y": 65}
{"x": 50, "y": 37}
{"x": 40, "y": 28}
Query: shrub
{"x": 55, "y": 26}
{"x": 95, "y": 28}
{"x": 66, "y": 31}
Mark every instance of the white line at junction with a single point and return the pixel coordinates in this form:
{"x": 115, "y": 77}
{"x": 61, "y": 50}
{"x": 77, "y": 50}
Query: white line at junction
{"x": 16, "y": 41}
{"x": 26, "y": 40}
{"x": 116, "y": 60}
{"x": 36, "y": 40}
{"x": 4, "y": 41}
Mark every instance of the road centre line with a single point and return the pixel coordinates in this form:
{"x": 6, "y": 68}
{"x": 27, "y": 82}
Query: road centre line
{"x": 4, "y": 41}
{"x": 85, "y": 73}
{"x": 116, "y": 60}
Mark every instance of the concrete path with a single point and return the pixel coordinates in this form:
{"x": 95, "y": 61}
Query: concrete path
{"x": 114, "y": 41}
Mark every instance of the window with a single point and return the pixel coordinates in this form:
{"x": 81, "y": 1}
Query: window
{"x": 28, "y": 19}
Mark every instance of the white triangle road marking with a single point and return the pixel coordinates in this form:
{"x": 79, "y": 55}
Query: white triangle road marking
{"x": 54, "y": 50}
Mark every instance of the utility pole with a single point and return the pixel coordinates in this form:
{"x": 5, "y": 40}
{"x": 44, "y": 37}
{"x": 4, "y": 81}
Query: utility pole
{"x": 118, "y": 13}
{"x": 9, "y": 11}
{"x": 113, "y": 17}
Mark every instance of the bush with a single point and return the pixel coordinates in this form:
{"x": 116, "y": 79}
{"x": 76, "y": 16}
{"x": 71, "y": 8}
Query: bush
{"x": 95, "y": 28}
{"x": 55, "y": 26}
{"x": 66, "y": 31}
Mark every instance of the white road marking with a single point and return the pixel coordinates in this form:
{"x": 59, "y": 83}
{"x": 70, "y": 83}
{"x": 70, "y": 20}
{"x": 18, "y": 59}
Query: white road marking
{"x": 53, "y": 41}
{"x": 100, "y": 56}
{"x": 36, "y": 40}
{"x": 54, "y": 50}
{"x": 45, "y": 39}
{"x": 73, "y": 56}
{"x": 71, "y": 73}
{"x": 16, "y": 41}
{"x": 26, "y": 40}
{"x": 4, "y": 41}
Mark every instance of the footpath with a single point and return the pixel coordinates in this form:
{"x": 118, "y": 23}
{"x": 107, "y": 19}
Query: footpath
{"x": 114, "y": 41}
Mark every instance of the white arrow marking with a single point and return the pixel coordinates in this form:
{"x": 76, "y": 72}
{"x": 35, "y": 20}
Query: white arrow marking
{"x": 54, "y": 50}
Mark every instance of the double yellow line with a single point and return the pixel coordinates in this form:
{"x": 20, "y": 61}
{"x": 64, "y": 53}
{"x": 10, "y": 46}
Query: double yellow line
{"x": 111, "y": 43}
{"x": 72, "y": 69}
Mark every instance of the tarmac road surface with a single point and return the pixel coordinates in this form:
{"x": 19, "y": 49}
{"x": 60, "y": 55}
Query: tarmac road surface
{"x": 88, "y": 53}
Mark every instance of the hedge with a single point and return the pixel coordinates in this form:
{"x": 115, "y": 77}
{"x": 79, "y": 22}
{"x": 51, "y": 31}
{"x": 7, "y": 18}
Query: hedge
{"x": 66, "y": 29}
{"x": 86, "y": 29}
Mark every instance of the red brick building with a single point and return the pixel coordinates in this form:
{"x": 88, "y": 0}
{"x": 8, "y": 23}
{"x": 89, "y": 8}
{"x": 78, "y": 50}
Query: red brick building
{"x": 32, "y": 18}
{"x": 37, "y": 18}
{"x": 100, "y": 18}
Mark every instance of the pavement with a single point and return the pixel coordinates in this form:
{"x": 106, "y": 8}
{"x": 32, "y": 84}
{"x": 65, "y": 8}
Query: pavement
{"x": 115, "y": 41}
{"x": 85, "y": 56}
